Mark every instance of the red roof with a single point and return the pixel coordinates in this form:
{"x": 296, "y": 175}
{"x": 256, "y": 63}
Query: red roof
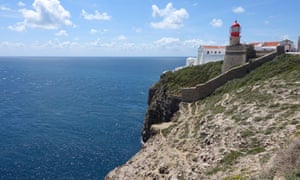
{"x": 213, "y": 47}
{"x": 271, "y": 44}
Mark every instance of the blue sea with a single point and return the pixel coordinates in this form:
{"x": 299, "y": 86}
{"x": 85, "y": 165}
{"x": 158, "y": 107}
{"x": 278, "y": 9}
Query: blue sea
{"x": 73, "y": 117}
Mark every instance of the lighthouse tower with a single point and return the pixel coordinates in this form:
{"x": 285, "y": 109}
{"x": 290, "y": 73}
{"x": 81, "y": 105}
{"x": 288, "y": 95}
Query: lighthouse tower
{"x": 236, "y": 53}
{"x": 235, "y": 31}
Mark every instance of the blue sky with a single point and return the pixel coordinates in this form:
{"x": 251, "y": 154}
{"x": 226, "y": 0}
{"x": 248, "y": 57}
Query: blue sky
{"x": 138, "y": 27}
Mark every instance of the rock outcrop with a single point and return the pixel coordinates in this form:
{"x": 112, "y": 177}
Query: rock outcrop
{"x": 247, "y": 129}
{"x": 161, "y": 107}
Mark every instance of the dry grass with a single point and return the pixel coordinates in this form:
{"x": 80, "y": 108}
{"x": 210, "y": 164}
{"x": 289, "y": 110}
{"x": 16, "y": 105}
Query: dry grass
{"x": 286, "y": 163}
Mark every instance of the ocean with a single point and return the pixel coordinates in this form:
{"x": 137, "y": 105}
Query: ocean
{"x": 73, "y": 117}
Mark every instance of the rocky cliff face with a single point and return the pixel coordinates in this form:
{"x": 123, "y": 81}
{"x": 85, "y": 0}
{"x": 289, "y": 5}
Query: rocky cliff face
{"x": 248, "y": 129}
{"x": 161, "y": 107}
{"x": 164, "y": 96}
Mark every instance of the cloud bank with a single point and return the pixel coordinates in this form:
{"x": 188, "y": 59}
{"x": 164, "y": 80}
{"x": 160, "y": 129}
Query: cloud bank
{"x": 216, "y": 22}
{"x": 238, "y": 10}
{"x": 96, "y": 16}
{"x": 171, "y": 18}
{"x": 46, "y": 14}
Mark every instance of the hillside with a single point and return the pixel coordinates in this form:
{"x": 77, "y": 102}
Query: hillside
{"x": 164, "y": 96}
{"x": 247, "y": 129}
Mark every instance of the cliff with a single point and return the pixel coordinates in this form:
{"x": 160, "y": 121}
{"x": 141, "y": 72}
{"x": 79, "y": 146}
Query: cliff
{"x": 161, "y": 107}
{"x": 164, "y": 96}
{"x": 247, "y": 129}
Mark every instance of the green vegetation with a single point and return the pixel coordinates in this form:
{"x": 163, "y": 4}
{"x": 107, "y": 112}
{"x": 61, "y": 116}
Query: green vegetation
{"x": 294, "y": 174}
{"x": 191, "y": 76}
{"x": 247, "y": 133}
{"x": 236, "y": 177}
{"x": 230, "y": 158}
{"x": 214, "y": 170}
{"x": 298, "y": 133}
{"x": 227, "y": 162}
{"x": 269, "y": 130}
{"x": 286, "y": 66}
{"x": 256, "y": 150}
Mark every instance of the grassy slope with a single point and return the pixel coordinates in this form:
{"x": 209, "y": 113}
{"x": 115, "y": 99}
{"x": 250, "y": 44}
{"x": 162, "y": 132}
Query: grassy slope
{"x": 191, "y": 76}
{"x": 284, "y": 68}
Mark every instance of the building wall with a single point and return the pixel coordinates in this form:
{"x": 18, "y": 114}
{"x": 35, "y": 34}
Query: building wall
{"x": 288, "y": 45}
{"x": 210, "y": 54}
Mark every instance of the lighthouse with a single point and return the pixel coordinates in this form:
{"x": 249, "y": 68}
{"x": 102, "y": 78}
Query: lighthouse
{"x": 236, "y": 54}
{"x": 235, "y": 31}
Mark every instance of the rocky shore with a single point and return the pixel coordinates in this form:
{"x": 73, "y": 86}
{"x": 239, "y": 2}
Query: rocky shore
{"x": 248, "y": 129}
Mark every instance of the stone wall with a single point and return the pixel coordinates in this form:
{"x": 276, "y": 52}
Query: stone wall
{"x": 203, "y": 90}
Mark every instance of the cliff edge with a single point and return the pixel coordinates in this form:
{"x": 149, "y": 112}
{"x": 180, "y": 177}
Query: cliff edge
{"x": 164, "y": 96}
{"x": 161, "y": 107}
{"x": 247, "y": 129}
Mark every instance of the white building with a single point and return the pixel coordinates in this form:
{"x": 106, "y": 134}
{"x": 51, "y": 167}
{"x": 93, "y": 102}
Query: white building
{"x": 288, "y": 45}
{"x": 210, "y": 53}
{"x": 207, "y": 54}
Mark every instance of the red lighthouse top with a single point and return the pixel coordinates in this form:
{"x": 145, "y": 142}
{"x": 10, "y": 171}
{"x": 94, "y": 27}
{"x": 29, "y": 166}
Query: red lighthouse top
{"x": 235, "y": 29}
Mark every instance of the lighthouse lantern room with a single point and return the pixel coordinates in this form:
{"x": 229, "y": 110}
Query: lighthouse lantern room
{"x": 235, "y": 31}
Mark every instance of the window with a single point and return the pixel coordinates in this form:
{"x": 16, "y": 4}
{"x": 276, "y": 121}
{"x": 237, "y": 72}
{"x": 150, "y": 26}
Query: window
{"x": 207, "y": 52}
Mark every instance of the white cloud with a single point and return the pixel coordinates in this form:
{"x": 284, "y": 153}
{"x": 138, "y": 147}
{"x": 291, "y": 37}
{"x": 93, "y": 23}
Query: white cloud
{"x": 61, "y": 33}
{"x": 138, "y": 30}
{"x": 193, "y": 43}
{"x": 7, "y": 44}
{"x": 167, "y": 41}
{"x": 93, "y": 31}
{"x": 172, "y": 18}
{"x": 67, "y": 44}
{"x": 96, "y": 16}
{"x": 238, "y": 10}
{"x": 46, "y": 14}
{"x": 121, "y": 38}
{"x": 19, "y": 27}
{"x": 216, "y": 22}
{"x": 21, "y": 4}
{"x": 55, "y": 44}
{"x": 4, "y": 8}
